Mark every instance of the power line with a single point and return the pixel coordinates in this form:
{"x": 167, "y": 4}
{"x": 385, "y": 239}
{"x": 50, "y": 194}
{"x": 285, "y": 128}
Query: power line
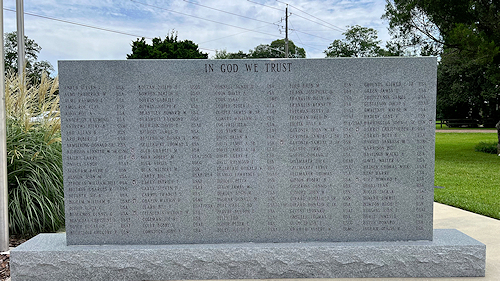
{"x": 339, "y": 28}
{"x": 331, "y": 25}
{"x": 140, "y": 36}
{"x": 334, "y": 28}
{"x": 264, "y": 5}
{"x": 80, "y": 24}
{"x": 91, "y": 26}
{"x": 306, "y": 45}
{"x": 232, "y": 35}
{"x": 188, "y": 15}
{"x": 194, "y": 3}
{"x": 300, "y": 40}
{"x": 315, "y": 30}
{"x": 312, "y": 35}
{"x": 207, "y": 49}
{"x": 296, "y": 34}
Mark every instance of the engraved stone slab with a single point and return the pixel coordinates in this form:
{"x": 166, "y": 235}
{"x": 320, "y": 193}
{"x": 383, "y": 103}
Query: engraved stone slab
{"x": 450, "y": 254}
{"x": 222, "y": 151}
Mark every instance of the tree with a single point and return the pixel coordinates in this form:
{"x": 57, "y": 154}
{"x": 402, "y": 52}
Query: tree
{"x": 277, "y": 50}
{"x": 223, "y": 54}
{"x": 466, "y": 35}
{"x": 170, "y": 48}
{"x": 358, "y": 42}
{"x": 274, "y": 50}
{"x": 34, "y": 69}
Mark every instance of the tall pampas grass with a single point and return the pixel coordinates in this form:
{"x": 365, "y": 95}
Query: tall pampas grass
{"x": 36, "y": 199}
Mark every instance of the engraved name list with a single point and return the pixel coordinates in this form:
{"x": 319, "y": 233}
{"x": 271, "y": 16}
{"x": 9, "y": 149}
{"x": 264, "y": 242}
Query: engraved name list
{"x": 197, "y": 151}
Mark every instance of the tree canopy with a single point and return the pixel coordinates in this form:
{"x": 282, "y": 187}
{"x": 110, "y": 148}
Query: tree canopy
{"x": 169, "y": 48}
{"x": 277, "y": 50}
{"x": 358, "y": 42}
{"x": 274, "y": 50}
{"x": 466, "y": 35}
{"x": 34, "y": 68}
{"x": 223, "y": 54}
{"x": 362, "y": 41}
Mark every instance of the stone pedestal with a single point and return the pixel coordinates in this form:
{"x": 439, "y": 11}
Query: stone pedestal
{"x": 450, "y": 254}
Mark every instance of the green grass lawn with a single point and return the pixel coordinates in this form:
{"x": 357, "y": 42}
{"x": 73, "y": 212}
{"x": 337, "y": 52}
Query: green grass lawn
{"x": 471, "y": 179}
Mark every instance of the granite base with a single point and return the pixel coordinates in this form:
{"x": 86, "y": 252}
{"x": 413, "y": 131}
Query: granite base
{"x": 450, "y": 254}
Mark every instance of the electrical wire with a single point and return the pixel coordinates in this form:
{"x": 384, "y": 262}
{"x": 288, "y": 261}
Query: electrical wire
{"x": 233, "y": 35}
{"x": 333, "y": 28}
{"x": 114, "y": 31}
{"x": 184, "y": 14}
{"x": 312, "y": 35}
{"x": 339, "y": 28}
{"x": 300, "y": 40}
{"x": 222, "y": 11}
{"x": 264, "y": 5}
{"x": 90, "y": 26}
{"x": 307, "y": 45}
{"x": 139, "y": 36}
{"x": 80, "y": 24}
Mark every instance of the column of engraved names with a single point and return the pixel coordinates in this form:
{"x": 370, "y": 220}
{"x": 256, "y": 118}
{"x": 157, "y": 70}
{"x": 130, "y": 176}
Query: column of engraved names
{"x": 124, "y": 157}
{"x": 87, "y": 191}
{"x": 310, "y": 135}
{"x": 383, "y": 154}
{"x": 236, "y": 168}
{"x": 348, "y": 158}
{"x": 200, "y": 161}
{"x": 424, "y": 117}
{"x": 274, "y": 141}
{"x": 160, "y": 118}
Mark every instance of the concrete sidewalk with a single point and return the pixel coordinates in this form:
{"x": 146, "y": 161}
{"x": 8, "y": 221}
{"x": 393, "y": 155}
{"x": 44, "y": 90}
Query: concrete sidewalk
{"x": 481, "y": 228}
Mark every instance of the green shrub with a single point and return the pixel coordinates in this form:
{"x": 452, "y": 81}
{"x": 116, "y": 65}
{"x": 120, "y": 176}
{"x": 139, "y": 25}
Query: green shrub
{"x": 487, "y": 147}
{"x": 34, "y": 164}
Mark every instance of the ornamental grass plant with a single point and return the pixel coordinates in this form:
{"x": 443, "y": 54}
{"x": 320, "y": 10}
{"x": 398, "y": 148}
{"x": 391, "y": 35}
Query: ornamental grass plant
{"x": 34, "y": 164}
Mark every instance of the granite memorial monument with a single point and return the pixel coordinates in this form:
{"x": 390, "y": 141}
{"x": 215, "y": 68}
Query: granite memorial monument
{"x": 222, "y": 169}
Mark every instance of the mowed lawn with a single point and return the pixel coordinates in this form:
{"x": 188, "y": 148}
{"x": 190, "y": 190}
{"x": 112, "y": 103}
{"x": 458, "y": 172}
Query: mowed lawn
{"x": 471, "y": 179}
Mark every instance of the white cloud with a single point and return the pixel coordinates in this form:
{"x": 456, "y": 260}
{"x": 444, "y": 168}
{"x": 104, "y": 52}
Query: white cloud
{"x": 209, "y": 28}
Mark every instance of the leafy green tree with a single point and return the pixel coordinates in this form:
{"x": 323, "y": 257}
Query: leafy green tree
{"x": 358, "y": 42}
{"x": 34, "y": 68}
{"x": 223, "y": 54}
{"x": 274, "y": 50}
{"x": 277, "y": 50}
{"x": 169, "y": 48}
{"x": 466, "y": 35}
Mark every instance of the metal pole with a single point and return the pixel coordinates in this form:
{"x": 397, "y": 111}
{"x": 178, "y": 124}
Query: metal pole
{"x": 20, "y": 38}
{"x": 286, "y": 31}
{"x": 4, "y": 207}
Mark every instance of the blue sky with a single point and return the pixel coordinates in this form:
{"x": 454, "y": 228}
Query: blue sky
{"x": 212, "y": 24}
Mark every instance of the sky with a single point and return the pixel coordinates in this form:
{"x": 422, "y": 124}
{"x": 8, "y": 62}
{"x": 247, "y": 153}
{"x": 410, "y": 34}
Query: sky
{"x": 61, "y": 27}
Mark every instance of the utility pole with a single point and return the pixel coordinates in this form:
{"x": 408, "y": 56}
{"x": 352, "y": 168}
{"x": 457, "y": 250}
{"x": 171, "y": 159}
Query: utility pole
{"x": 4, "y": 193}
{"x": 20, "y": 39}
{"x": 286, "y": 31}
